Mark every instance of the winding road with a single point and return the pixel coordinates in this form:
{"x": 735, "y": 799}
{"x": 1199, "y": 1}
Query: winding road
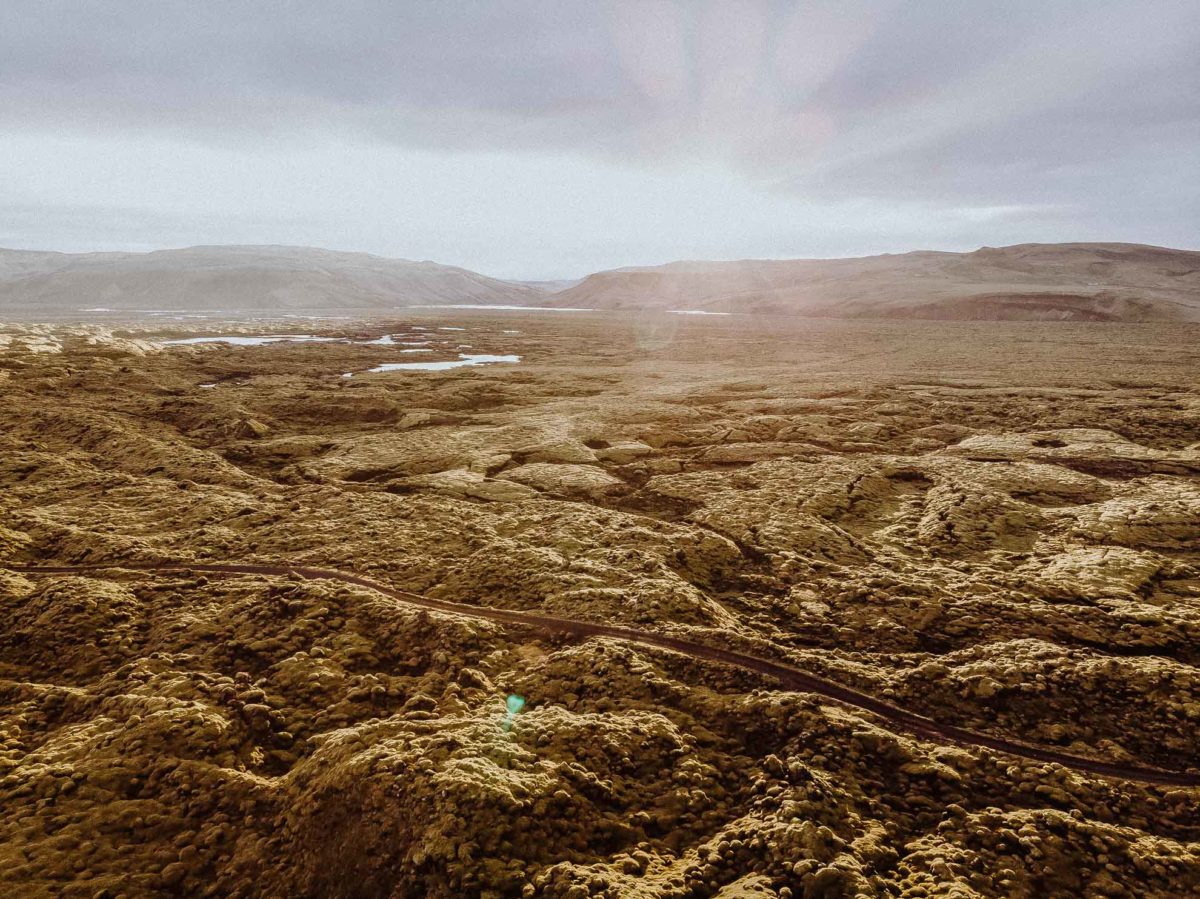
{"x": 789, "y": 677}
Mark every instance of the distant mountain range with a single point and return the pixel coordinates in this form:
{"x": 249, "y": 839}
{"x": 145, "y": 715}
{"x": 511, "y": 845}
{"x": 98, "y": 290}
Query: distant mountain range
{"x": 240, "y": 279}
{"x": 1076, "y": 282}
{"x": 1073, "y": 281}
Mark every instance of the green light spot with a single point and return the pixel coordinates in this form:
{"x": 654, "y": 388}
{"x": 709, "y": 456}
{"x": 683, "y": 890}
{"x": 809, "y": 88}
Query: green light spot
{"x": 514, "y": 704}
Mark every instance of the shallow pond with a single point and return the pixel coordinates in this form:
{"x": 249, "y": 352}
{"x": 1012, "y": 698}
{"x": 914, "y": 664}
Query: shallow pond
{"x": 463, "y": 359}
{"x": 247, "y": 340}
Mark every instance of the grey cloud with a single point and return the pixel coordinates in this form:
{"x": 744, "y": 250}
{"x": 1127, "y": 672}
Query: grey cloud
{"x": 172, "y": 63}
{"x": 1084, "y": 105}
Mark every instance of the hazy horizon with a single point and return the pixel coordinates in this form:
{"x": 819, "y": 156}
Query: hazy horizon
{"x": 579, "y": 276}
{"x": 546, "y": 140}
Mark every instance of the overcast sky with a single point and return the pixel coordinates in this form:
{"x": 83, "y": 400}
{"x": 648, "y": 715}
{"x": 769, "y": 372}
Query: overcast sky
{"x": 550, "y": 139}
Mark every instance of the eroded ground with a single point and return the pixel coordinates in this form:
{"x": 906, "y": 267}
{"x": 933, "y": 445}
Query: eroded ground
{"x": 997, "y": 525}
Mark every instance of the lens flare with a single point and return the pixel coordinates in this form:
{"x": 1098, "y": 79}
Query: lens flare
{"x": 514, "y": 704}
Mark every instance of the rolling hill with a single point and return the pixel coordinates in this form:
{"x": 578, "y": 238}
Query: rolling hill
{"x": 238, "y": 278}
{"x": 1075, "y": 282}
{"x": 1070, "y": 282}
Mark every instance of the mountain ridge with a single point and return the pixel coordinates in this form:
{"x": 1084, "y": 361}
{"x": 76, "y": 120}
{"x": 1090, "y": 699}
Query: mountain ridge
{"x": 1076, "y": 281}
{"x": 242, "y": 278}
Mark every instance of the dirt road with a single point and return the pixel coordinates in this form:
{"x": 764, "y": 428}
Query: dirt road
{"x": 789, "y": 677}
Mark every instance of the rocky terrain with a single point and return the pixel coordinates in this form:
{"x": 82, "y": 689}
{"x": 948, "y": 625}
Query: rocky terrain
{"x": 995, "y": 525}
{"x": 1055, "y": 282}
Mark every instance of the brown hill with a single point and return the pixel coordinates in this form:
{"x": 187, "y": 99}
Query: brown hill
{"x": 1073, "y": 282}
{"x": 237, "y": 278}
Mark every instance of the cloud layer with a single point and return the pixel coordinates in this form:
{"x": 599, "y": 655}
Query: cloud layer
{"x": 831, "y": 126}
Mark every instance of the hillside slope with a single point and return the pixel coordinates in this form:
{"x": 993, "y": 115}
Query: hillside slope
{"x": 238, "y": 278}
{"x": 1076, "y": 282}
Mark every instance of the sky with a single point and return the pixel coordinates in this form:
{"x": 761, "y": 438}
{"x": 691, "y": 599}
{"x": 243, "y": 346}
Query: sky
{"x": 552, "y": 138}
